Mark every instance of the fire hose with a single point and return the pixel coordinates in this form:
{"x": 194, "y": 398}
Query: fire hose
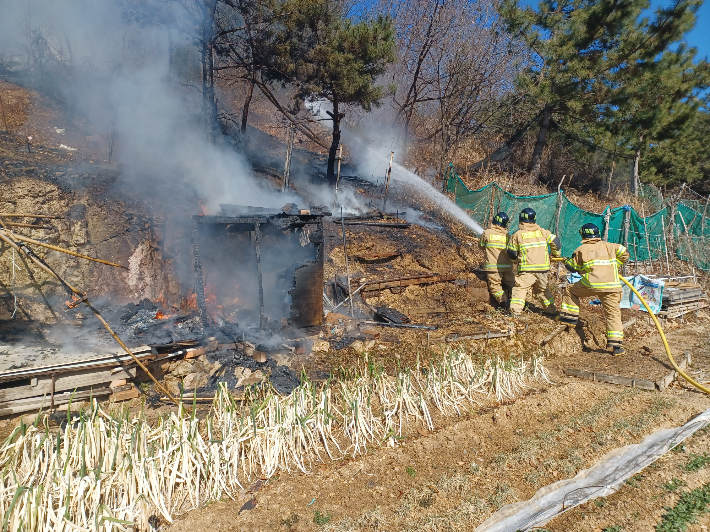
{"x": 660, "y": 331}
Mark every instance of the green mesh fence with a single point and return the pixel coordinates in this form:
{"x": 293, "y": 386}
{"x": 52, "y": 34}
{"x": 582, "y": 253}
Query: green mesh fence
{"x": 643, "y": 237}
{"x": 652, "y": 195}
{"x": 692, "y": 233}
{"x": 571, "y": 219}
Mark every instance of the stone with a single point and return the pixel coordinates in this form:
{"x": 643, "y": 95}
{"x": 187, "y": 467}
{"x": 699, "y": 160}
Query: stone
{"x": 172, "y": 385}
{"x": 241, "y": 374}
{"x": 334, "y": 318}
{"x": 321, "y": 346}
{"x": 180, "y": 368}
{"x": 358, "y": 346}
{"x": 194, "y": 381}
{"x": 282, "y": 360}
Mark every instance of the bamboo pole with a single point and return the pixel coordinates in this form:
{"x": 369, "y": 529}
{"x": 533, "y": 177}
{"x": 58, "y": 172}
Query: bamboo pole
{"x": 337, "y": 179}
{"x": 31, "y": 226}
{"x": 665, "y": 245}
{"x": 645, "y": 230}
{"x": 23, "y": 215}
{"x": 83, "y": 299}
{"x": 62, "y": 250}
{"x": 289, "y": 152}
{"x": 388, "y": 173}
{"x": 347, "y": 266}
{"x": 257, "y": 247}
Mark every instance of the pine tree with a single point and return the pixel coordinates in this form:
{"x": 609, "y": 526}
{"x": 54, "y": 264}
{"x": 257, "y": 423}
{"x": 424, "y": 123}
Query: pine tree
{"x": 656, "y": 101}
{"x": 583, "y": 48}
{"x": 327, "y": 56}
{"x": 684, "y": 158}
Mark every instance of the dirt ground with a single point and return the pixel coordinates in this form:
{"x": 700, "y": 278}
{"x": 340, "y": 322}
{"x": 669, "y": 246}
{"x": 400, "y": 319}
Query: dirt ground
{"x": 454, "y": 478}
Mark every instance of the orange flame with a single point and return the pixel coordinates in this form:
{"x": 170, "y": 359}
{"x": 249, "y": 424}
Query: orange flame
{"x": 189, "y": 303}
{"x": 203, "y": 207}
{"x": 161, "y": 316}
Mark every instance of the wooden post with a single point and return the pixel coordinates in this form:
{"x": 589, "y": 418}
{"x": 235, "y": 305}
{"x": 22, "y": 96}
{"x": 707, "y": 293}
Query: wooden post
{"x": 559, "y": 205}
{"x": 557, "y": 216}
{"x": 257, "y": 238}
{"x": 387, "y": 180}
{"x": 289, "y": 150}
{"x": 347, "y": 266}
{"x": 637, "y": 158}
{"x": 627, "y": 216}
{"x": 702, "y": 220}
{"x": 199, "y": 280}
{"x": 665, "y": 245}
{"x": 688, "y": 238}
{"x": 611, "y": 177}
{"x": 607, "y": 217}
{"x": 645, "y": 230}
{"x": 337, "y": 179}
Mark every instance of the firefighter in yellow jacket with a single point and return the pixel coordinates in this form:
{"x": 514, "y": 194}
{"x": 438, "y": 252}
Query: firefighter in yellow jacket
{"x": 499, "y": 268}
{"x": 598, "y": 263}
{"x": 529, "y": 247}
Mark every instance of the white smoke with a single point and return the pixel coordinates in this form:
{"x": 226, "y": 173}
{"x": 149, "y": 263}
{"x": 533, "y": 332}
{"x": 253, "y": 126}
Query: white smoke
{"x": 138, "y": 82}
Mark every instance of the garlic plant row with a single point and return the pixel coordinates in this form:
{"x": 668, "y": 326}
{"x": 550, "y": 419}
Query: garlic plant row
{"x": 110, "y": 471}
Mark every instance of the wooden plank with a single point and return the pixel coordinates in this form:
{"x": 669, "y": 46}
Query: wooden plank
{"x": 113, "y": 359}
{"x": 631, "y": 382}
{"x": 66, "y": 381}
{"x": 373, "y": 286}
{"x": 553, "y": 334}
{"x": 35, "y": 403}
{"x": 683, "y": 363}
{"x": 675, "y": 311}
{"x": 611, "y": 379}
{"x": 125, "y": 395}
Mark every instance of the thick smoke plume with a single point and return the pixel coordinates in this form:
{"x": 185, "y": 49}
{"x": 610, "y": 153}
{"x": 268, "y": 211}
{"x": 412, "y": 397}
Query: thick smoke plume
{"x": 137, "y": 81}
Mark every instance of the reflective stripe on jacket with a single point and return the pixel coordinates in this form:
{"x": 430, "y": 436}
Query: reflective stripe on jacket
{"x": 530, "y": 242}
{"x": 495, "y": 240}
{"x": 598, "y": 263}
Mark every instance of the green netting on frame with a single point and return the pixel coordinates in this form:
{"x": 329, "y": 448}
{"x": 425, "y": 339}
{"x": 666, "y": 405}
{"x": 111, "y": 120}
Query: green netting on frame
{"x": 652, "y": 195}
{"x": 692, "y": 233}
{"x": 644, "y": 238}
{"x": 571, "y": 219}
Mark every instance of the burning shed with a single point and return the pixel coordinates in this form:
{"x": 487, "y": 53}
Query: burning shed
{"x": 260, "y": 268}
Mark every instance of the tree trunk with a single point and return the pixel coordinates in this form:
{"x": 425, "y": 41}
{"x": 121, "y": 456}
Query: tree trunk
{"x": 540, "y": 142}
{"x": 247, "y": 101}
{"x": 209, "y": 104}
{"x": 333, "y": 153}
{"x": 635, "y": 181}
{"x": 611, "y": 177}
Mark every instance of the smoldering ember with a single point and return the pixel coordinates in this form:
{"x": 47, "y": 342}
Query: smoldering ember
{"x": 317, "y": 265}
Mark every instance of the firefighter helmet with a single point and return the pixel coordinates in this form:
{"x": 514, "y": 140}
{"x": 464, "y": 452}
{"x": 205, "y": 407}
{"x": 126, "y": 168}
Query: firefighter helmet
{"x": 527, "y": 215}
{"x": 589, "y": 231}
{"x": 501, "y": 219}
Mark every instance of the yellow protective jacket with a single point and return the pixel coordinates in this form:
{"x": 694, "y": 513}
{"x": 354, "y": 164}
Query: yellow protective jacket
{"x": 598, "y": 263}
{"x": 529, "y": 246}
{"x": 495, "y": 241}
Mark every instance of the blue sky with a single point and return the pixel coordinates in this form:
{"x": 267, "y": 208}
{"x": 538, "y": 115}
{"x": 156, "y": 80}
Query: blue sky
{"x": 700, "y": 36}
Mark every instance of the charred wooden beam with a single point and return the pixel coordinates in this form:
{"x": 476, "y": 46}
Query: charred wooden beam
{"x": 394, "y": 225}
{"x": 199, "y": 280}
{"x": 257, "y": 235}
{"x": 399, "y": 282}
